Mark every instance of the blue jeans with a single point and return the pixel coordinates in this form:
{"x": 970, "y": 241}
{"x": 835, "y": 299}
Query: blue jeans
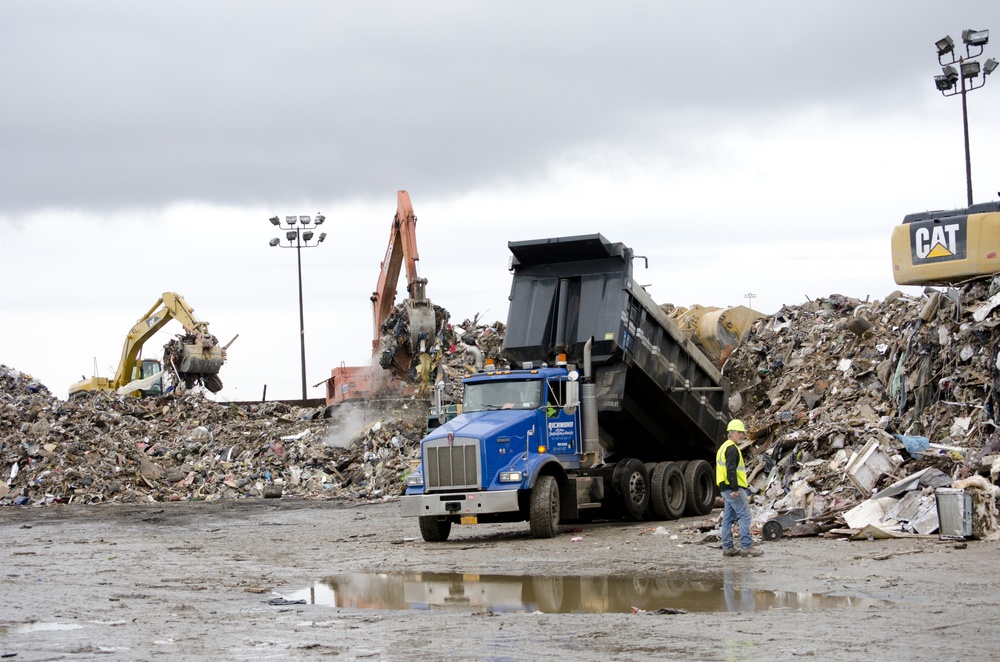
{"x": 736, "y": 508}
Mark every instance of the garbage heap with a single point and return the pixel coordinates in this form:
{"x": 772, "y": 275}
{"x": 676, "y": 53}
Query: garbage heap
{"x": 106, "y": 448}
{"x": 454, "y": 352}
{"x": 859, "y": 411}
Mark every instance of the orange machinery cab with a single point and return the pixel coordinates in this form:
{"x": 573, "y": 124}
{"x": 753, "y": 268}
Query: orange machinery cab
{"x": 947, "y": 246}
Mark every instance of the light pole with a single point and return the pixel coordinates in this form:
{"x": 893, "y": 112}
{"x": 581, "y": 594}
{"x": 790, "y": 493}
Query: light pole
{"x": 298, "y": 235}
{"x": 750, "y": 296}
{"x": 952, "y": 81}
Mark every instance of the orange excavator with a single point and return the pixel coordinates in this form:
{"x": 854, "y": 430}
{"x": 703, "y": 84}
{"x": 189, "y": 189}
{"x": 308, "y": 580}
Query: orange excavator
{"x": 391, "y": 362}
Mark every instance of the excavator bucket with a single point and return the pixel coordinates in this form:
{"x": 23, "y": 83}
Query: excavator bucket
{"x": 196, "y": 361}
{"x": 421, "y": 316}
{"x": 201, "y": 362}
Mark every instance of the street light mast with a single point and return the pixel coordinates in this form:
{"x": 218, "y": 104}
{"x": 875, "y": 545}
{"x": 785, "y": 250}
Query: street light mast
{"x": 299, "y": 236}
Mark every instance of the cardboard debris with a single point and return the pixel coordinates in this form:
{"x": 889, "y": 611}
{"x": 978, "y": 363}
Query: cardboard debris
{"x": 867, "y": 467}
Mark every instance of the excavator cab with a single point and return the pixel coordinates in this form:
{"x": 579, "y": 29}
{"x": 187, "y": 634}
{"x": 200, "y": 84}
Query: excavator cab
{"x": 145, "y": 369}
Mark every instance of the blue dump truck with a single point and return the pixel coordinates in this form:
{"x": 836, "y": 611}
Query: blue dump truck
{"x": 611, "y": 411}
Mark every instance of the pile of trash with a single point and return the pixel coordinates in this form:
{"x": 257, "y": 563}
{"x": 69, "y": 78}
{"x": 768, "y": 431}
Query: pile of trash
{"x": 111, "y": 448}
{"x": 859, "y": 411}
{"x": 860, "y": 414}
{"x": 108, "y": 448}
{"x": 455, "y": 351}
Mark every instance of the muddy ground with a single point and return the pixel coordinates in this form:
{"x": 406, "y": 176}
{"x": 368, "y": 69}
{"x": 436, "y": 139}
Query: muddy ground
{"x": 194, "y": 581}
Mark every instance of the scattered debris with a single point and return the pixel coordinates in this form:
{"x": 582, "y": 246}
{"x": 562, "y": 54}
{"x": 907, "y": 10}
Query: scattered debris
{"x": 860, "y": 422}
{"x": 859, "y": 411}
{"x": 102, "y": 447}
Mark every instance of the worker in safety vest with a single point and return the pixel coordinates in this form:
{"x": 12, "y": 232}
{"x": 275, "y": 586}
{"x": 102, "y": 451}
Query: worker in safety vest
{"x": 731, "y": 477}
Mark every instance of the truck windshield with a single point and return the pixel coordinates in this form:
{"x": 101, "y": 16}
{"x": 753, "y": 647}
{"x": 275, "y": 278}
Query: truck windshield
{"x": 511, "y": 394}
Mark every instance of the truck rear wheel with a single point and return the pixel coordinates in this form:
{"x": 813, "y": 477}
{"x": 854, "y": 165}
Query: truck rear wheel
{"x": 544, "y": 515}
{"x": 699, "y": 485}
{"x": 668, "y": 495}
{"x": 434, "y": 529}
{"x": 632, "y": 483}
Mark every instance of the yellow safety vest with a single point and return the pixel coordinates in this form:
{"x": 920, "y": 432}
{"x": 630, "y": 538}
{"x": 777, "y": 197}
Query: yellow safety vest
{"x": 720, "y": 465}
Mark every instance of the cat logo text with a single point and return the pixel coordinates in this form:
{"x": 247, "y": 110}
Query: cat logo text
{"x": 934, "y": 241}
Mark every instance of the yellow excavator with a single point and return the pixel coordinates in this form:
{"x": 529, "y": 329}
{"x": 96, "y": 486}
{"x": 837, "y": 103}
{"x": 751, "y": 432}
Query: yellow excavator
{"x": 193, "y": 358}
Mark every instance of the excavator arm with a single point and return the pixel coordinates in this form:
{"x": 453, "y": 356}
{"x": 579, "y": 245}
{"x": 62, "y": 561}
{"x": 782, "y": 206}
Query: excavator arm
{"x": 419, "y": 312}
{"x": 401, "y": 251}
{"x": 195, "y": 357}
{"x": 199, "y": 352}
{"x": 350, "y": 383}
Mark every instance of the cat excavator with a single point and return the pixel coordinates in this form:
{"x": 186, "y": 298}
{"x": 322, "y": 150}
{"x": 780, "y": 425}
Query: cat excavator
{"x": 391, "y": 363}
{"x": 193, "y": 358}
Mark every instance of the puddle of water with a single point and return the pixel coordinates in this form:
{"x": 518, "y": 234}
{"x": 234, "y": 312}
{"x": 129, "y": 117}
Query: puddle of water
{"x": 570, "y": 594}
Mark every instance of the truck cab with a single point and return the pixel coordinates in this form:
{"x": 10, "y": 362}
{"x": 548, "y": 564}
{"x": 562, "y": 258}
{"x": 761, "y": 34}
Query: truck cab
{"x": 480, "y": 465}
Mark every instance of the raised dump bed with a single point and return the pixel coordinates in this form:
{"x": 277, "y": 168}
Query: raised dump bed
{"x": 658, "y": 395}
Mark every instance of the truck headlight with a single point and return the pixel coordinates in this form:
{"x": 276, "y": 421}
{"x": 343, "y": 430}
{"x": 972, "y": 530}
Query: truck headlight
{"x": 511, "y": 476}
{"x": 415, "y": 480}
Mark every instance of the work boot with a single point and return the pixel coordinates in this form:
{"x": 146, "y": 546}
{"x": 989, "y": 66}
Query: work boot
{"x": 732, "y": 551}
{"x": 751, "y": 551}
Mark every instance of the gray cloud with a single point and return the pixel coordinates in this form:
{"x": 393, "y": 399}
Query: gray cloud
{"x": 118, "y": 104}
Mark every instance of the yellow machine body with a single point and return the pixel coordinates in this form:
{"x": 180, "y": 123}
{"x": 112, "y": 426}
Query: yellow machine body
{"x": 947, "y": 246}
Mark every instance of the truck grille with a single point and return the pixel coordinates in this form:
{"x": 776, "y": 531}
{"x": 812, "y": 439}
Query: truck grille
{"x": 452, "y": 466}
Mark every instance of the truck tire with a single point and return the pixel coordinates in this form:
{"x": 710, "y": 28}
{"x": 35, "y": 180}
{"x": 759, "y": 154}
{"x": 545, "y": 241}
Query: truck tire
{"x": 632, "y": 484}
{"x": 544, "y": 514}
{"x": 668, "y": 495}
{"x": 434, "y": 529}
{"x": 650, "y": 514}
{"x": 699, "y": 486}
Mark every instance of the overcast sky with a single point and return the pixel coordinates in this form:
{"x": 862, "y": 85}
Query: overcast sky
{"x": 764, "y": 148}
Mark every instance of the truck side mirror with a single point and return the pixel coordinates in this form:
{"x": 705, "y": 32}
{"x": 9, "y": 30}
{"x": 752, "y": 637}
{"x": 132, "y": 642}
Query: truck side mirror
{"x": 572, "y": 396}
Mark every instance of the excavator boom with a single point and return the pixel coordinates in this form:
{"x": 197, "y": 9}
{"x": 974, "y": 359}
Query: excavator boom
{"x": 346, "y": 383}
{"x": 194, "y": 357}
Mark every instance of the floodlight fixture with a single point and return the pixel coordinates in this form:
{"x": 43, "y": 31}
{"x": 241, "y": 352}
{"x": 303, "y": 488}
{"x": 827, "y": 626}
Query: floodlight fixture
{"x": 970, "y": 69}
{"x": 988, "y": 67}
{"x": 320, "y": 218}
{"x": 307, "y": 235}
{"x": 322, "y": 236}
{"x": 945, "y": 45}
{"x": 950, "y": 73}
{"x": 290, "y": 219}
{"x": 943, "y": 83}
{"x": 274, "y": 242}
{"x": 274, "y": 220}
{"x": 976, "y": 37}
{"x": 291, "y": 234}
{"x": 304, "y": 220}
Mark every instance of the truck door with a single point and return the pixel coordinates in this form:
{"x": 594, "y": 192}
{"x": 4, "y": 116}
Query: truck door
{"x": 561, "y": 430}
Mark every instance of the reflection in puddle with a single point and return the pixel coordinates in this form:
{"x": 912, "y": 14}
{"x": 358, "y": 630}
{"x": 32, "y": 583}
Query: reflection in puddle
{"x": 560, "y": 594}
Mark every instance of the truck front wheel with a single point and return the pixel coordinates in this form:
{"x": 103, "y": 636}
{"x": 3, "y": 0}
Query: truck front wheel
{"x": 699, "y": 483}
{"x": 434, "y": 529}
{"x": 544, "y": 515}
